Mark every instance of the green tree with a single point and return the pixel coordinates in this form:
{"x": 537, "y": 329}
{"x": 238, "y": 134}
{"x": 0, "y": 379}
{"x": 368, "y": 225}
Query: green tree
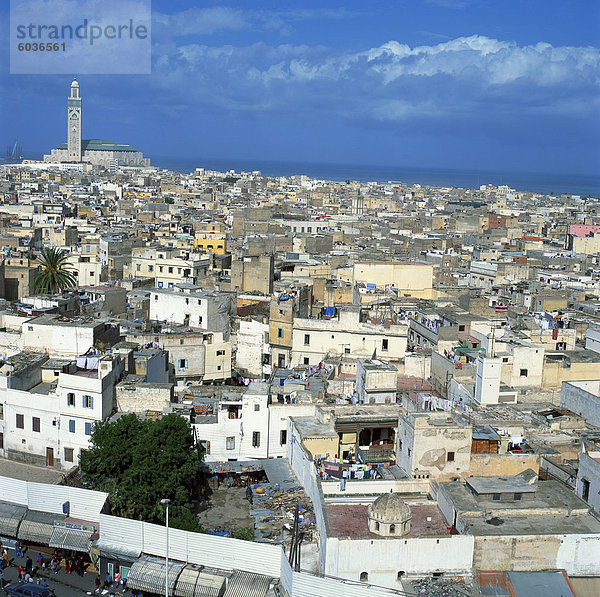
{"x": 139, "y": 462}
{"x": 53, "y": 274}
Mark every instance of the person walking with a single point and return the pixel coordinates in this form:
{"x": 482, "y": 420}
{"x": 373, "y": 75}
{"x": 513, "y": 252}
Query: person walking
{"x": 54, "y": 564}
{"x": 18, "y": 549}
{"x": 5, "y": 561}
{"x": 20, "y": 573}
{"x": 117, "y": 579}
{"x": 29, "y": 565}
{"x": 98, "y": 583}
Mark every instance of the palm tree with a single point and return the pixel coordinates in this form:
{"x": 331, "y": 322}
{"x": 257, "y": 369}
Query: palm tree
{"x": 53, "y": 274}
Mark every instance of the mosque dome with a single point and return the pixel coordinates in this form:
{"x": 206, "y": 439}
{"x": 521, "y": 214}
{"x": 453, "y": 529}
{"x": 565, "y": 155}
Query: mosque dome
{"x": 389, "y": 516}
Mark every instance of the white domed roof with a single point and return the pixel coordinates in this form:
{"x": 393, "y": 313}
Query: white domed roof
{"x": 389, "y": 508}
{"x": 75, "y": 83}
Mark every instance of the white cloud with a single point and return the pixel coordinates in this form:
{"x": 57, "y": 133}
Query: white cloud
{"x": 393, "y": 82}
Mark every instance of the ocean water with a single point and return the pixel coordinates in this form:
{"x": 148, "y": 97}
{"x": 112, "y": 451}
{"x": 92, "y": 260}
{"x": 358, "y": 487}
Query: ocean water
{"x": 583, "y": 185}
{"x": 574, "y": 184}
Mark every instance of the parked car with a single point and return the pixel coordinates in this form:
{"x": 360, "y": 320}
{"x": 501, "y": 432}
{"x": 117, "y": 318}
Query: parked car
{"x": 28, "y": 590}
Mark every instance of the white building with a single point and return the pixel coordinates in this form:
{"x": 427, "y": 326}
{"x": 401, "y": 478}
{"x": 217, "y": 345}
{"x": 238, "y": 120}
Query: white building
{"x": 51, "y": 405}
{"x": 253, "y": 351}
{"x": 192, "y": 307}
{"x": 313, "y": 339}
{"x": 246, "y": 427}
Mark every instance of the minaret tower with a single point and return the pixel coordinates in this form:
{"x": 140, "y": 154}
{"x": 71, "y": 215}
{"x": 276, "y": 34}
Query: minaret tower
{"x": 74, "y": 123}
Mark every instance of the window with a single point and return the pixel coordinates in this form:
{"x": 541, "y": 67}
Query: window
{"x": 170, "y": 270}
{"x": 183, "y": 363}
{"x": 150, "y": 268}
{"x": 220, "y": 353}
{"x": 392, "y": 529}
{"x": 585, "y": 489}
{"x": 160, "y": 268}
{"x": 187, "y": 301}
{"x": 347, "y": 350}
{"x": 518, "y": 497}
{"x": 35, "y": 424}
{"x": 505, "y": 359}
{"x": 256, "y": 407}
{"x": 20, "y": 421}
{"x": 256, "y": 439}
{"x": 523, "y": 372}
{"x": 160, "y": 285}
{"x": 364, "y": 576}
{"x": 88, "y": 401}
{"x": 306, "y": 360}
{"x": 450, "y": 456}
{"x": 205, "y": 445}
{"x": 71, "y": 426}
{"x": 306, "y": 339}
{"x": 70, "y": 399}
{"x": 230, "y": 443}
{"x": 280, "y": 332}
{"x": 384, "y": 344}
{"x": 68, "y": 454}
{"x": 88, "y": 429}
{"x": 496, "y": 497}
{"x": 283, "y": 437}
{"x": 461, "y": 328}
{"x": 400, "y": 574}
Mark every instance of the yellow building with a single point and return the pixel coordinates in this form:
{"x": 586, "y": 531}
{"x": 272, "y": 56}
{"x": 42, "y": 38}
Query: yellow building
{"x": 211, "y": 242}
{"x": 407, "y": 277}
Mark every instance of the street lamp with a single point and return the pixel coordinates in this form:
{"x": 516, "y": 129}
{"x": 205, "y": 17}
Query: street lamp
{"x": 166, "y": 503}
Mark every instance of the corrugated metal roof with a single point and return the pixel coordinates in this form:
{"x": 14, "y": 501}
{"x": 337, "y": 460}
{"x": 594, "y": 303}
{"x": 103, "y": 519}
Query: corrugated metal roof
{"x": 117, "y": 550}
{"x": 38, "y": 526}
{"x": 246, "y": 584}
{"x": 70, "y": 539}
{"x": 585, "y": 586}
{"x": 195, "y": 583}
{"x": 540, "y": 584}
{"x": 494, "y": 584}
{"x": 148, "y": 574}
{"x": 10, "y": 517}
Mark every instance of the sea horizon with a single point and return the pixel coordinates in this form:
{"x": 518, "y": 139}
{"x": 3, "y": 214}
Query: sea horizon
{"x": 557, "y": 183}
{"x": 573, "y": 184}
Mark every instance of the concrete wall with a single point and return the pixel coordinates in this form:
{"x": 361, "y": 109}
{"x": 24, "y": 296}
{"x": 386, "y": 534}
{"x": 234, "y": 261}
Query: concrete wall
{"x": 502, "y": 465}
{"x": 589, "y": 470}
{"x": 382, "y": 559}
{"x": 582, "y": 398}
{"x": 576, "y": 554}
{"x": 142, "y": 397}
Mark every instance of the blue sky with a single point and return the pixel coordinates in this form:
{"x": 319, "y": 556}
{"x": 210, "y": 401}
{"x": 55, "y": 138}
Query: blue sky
{"x": 509, "y": 85}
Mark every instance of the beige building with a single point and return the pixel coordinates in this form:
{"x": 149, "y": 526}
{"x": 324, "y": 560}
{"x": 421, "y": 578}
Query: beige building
{"x": 406, "y": 277}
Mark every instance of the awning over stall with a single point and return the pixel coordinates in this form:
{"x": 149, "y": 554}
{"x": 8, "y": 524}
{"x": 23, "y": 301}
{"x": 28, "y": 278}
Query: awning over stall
{"x": 38, "y": 526}
{"x": 148, "y": 574}
{"x": 195, "y": 583}
{"x": 117, "y": 551}
{"x": 10, "y": 518}
{"x": 66, "y": 535}
{"x": 247, "y": 584}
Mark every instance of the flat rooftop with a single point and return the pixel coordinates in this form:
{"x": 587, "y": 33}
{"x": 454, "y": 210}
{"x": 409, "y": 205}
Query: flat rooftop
{"x": 484, "y": 485}
{"x": 352, "y": 521}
